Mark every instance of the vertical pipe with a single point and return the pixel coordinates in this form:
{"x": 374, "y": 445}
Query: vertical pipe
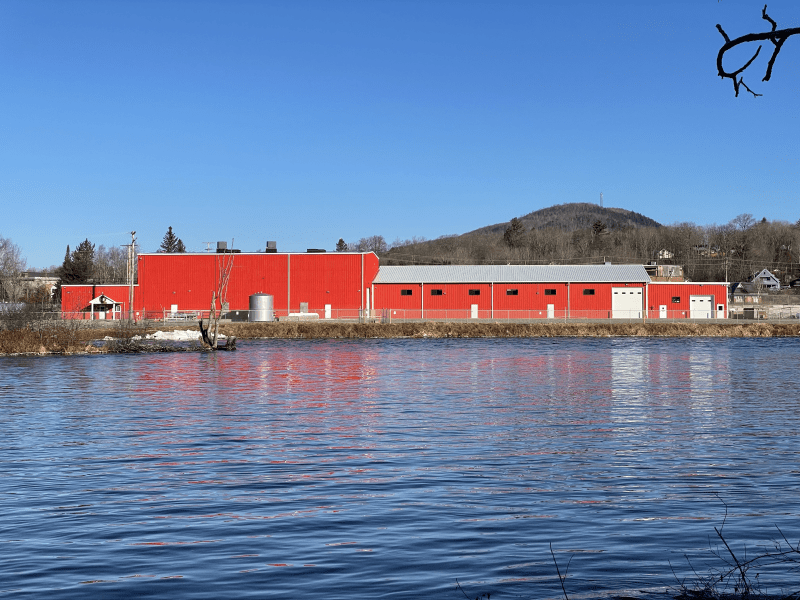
{"x": 422, "y": 300}
{"x": 288, "y": 283}
{"x": 362, "y": 284}
{"x": 568, "y": 301}
{"x": 492, "y": 313}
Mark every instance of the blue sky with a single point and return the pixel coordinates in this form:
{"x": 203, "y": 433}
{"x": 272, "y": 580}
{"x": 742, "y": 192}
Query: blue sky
{"x": 307, "y": 121}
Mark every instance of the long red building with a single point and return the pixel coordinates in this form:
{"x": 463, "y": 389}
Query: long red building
{"x": 349, "y": 285}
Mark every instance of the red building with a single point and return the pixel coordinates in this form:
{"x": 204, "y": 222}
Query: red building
{"x": 345, "y": 285}
{"x": 512, "y": 291}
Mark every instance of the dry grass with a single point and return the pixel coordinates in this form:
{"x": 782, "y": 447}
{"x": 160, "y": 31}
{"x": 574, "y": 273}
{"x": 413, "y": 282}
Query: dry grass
{"x": 503, "y": 330}
{"x": 67, "y": 337}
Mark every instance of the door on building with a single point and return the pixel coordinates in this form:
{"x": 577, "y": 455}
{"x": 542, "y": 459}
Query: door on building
{"x": 551, "y": 311}
{"x": 474, "y": 311}
{"x": 626, "y": 303}
{"x": 662, "y": 311}
{"x": 701, "y": 307}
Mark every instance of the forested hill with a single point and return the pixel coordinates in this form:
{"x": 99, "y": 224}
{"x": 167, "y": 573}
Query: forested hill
{"x": 575, "y": 216}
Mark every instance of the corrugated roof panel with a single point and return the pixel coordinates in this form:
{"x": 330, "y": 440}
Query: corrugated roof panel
{"x": 513, "y": 274}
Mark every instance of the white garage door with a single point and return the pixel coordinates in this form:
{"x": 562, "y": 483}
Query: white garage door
{"x": 701, "y": 307}
{"x": 626, "y": 303}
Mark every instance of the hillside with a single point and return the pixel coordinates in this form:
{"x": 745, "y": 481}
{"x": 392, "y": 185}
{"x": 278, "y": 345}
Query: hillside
{"x": 575, "y": 216}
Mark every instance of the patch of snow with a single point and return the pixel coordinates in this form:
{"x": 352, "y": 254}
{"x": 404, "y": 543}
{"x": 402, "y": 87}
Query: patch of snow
{"x": 185, "y": 335}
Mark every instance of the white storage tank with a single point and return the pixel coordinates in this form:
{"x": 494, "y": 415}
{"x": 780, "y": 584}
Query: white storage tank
{"x": 261, "y": 308}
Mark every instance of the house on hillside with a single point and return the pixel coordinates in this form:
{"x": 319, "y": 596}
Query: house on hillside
{"x": 765, "y": 280}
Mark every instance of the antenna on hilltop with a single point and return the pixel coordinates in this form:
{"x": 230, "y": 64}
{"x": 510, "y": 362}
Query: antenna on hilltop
{"x": 208, "y": 246}
{"x": 601, "y": 199}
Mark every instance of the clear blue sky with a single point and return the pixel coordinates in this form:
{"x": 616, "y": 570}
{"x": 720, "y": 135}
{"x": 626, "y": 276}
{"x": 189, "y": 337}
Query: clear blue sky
{"x": 306, "y": 121}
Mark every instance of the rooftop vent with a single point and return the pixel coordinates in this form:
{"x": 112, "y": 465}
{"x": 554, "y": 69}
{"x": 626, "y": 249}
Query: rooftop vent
{"x": 314, "y": 250}
{"x": 222, "y": 246}
{"x": 272, "y": 246}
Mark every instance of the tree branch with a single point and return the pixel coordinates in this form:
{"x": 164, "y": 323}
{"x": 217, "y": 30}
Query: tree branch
{"x": 776, "y": 36}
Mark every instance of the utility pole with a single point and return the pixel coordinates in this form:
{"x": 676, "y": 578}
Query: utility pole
{"x": 131, "y": 270}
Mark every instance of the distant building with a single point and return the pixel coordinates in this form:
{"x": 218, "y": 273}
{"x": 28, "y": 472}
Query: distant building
{"x": 765, "y": 280}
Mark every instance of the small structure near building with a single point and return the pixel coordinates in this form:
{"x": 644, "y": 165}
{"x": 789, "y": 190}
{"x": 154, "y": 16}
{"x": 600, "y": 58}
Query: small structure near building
{"x": 664, "y": 272}
{"x": 104, "y": 307}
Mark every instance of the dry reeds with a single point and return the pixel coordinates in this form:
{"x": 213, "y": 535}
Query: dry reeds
{"x": 431, "y": 329}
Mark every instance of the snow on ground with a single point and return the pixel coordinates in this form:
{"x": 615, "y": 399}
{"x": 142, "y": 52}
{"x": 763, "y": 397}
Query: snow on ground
{"x": 185, "y": 335}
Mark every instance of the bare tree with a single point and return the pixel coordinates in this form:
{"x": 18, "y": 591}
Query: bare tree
{"x": 110, "y": 265}
{"x": 374, "y": 243}
{"x": 11, "y": 267}
{"x": 219, "y": 295}
{"x": 775, "y": 35}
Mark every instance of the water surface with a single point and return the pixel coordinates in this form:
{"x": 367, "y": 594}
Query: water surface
{"x": 392, "y": 468}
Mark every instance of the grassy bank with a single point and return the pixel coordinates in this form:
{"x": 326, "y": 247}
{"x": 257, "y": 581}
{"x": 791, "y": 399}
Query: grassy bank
{"x": 319, "y": 330}
{"x": 65, "y": 337}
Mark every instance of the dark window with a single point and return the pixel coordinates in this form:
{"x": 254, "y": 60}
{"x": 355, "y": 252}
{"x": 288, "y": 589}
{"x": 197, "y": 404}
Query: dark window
{"x": 676, "y": 299}
{"x": 588, "y": 292}
{"x": 512, "y": 292}
{"x": 436, "y": 292}
{"x": 406, "y": 292}
{"x": 474, "y": 292}
{"x": 549, "y": 292}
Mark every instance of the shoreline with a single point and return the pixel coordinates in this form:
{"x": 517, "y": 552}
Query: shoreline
{"x": 84, "y": 341}
{"x": 436, "y": 329}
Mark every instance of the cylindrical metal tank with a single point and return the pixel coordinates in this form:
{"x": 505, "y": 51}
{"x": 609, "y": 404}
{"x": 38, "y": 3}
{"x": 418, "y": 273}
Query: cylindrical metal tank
{"x": 261, "y": 308}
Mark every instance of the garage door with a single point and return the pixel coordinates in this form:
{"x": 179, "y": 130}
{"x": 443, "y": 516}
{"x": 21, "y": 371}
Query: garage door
{"x": 626, "y": 303}
{"x": 701, "y": 307}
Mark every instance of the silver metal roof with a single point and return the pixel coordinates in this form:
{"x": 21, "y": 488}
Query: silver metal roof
{"x": 514, "y": 274}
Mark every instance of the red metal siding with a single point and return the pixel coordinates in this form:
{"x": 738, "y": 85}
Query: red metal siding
{"x": 530, "y": 301}
{"x": 189, "y": 279}
{"x": 597, "y": 306}
{"x": 319, "y": 279}
{"x": 659, "y": 294}
{"x": 75, "y": 298}
{"x": 388, "y": 296}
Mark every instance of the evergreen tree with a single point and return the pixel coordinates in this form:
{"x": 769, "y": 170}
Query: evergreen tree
{"x": 64, "y": 273}
{"x": 83, "y": 262}
{"x": 341, "y": 245}
{"x": 179, "y": 247}
{"x": 514, "y": 235}
{"x": 169, "y": 243}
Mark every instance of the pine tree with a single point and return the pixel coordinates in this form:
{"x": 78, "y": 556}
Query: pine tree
{"x": 179, "y": 247}
{"x": 514, "y": 235}
{"x": 64, "y": 275}
{"x": 83, "y": 262}
{"x": 169, "y": 243}
{"x": 341, "y": 245}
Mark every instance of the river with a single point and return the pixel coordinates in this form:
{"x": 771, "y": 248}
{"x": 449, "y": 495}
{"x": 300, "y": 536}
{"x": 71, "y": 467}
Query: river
{"x": 395, "y": 468}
